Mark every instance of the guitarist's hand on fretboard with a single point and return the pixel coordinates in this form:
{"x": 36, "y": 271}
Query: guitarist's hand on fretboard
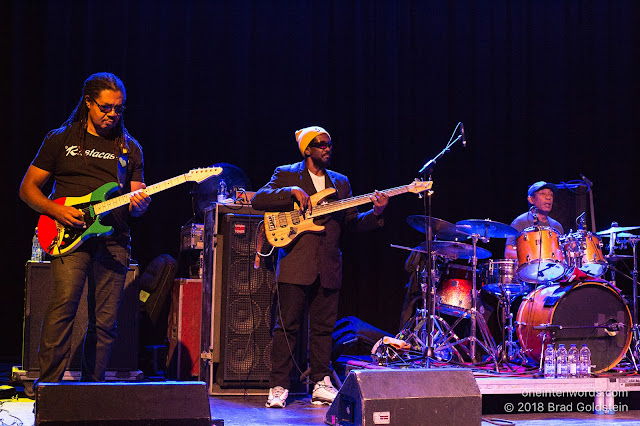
{"x": 139, "y": 200}
{"x": 380, "y": 201}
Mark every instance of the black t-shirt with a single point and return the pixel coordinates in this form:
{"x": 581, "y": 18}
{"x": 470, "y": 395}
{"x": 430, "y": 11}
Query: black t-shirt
{"x": 60, "y": 155}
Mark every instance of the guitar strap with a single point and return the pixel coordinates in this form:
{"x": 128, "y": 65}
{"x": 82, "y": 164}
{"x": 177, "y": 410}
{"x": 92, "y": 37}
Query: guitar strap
{"x": 123, "y": 161}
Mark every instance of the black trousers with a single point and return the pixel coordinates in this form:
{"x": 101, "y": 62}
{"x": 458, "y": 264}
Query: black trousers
{"x": 323, "y": 314}
{"x": 104, "y": 263}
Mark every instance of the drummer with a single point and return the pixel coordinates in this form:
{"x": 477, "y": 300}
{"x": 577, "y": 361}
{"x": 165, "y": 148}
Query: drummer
{"x": 540, "y": 197}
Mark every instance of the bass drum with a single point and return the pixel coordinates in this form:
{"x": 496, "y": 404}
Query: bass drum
{"x": 577, "y": 308}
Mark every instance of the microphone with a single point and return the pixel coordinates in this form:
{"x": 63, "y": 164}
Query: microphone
{"x": 580, "y": 221}
{"x": 534, "y": 211}
{"x": 427, "y": 166}
{"x": 584, "y": 178}
{"x": 464, "y": 140}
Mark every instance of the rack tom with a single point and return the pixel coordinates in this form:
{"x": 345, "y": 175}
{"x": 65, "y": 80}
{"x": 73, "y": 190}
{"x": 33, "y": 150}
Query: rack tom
{"x": 540, "y": 256}
{"x": 583, "y": 251}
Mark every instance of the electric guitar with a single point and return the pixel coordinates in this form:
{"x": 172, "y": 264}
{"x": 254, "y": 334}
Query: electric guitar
{"x": 57, "y": 239}
{"x": 282, "y": 228}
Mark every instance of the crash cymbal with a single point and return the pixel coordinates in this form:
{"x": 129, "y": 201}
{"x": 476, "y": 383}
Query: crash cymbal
{"x": 487, "y": 228}
{"x": 622, "y": 235}
{"x": 454, "y": 249}
{"x": 616, "y": 229}
{"x": 617, "y": 257}
{"x": 418, "y": 223}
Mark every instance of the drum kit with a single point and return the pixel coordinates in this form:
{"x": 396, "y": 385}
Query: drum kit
{"x": 559, "y": 278}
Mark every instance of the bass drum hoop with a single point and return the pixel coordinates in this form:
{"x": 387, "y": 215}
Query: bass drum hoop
{"x": 533, "y": 312}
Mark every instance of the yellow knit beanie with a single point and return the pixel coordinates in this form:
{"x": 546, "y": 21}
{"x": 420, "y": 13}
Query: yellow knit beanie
{"x": 306, "y": 135}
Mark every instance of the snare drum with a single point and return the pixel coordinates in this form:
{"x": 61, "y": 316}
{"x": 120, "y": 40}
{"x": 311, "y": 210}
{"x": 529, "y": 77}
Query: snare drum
{"x": 501, "y": 271}
{"x": 454, "y": 290}
{"x": 583, "y": 250}
{"x": 540, "y": 257}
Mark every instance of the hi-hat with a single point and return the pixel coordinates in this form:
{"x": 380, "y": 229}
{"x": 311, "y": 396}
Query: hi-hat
{"x": 439, "y": 228}
{"x": 616, "y": 229}
{"x": 487, "y": 228}
{"x": 455, "y": 250}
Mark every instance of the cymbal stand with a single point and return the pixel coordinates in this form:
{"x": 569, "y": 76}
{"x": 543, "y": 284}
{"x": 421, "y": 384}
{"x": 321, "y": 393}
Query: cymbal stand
{"x": 478, "y": 322}
{"x": 428, "y": 295}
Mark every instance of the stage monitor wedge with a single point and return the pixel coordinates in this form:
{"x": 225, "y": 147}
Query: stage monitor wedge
{"x": 102, "y": 404}
{"x": 407, "y": 397}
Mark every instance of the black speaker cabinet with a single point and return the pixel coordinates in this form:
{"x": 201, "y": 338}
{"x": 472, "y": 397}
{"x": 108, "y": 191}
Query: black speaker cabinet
{"x": 150, "y": 403}
{"x": 39, "y": 283}
{"x": 407, "y": 397}
{"x": 242, "y": 300}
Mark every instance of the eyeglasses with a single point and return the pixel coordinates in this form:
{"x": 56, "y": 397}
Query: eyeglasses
{"x": 105, "y": 109}
{"x": 321, "y": 145}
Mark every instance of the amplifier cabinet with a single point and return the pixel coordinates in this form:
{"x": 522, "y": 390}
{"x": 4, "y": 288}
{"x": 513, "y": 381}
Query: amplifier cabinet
{"x": 238, "y": 301}
{"x": 38, "y": 287}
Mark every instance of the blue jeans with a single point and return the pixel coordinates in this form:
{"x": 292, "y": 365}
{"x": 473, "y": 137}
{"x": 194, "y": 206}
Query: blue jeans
{"x": 102, "y": 263}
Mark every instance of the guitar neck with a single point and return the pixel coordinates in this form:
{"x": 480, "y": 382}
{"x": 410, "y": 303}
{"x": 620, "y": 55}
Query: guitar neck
{"x": 122, "y": 200}
{"x": 346, "y": 203}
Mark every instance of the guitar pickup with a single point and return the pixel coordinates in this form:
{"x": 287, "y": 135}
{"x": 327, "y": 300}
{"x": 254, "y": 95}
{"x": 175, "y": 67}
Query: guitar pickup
{"x": 282, "y": 219}
{"x": 295, "y": 218}
{"x": 271, "y": 222}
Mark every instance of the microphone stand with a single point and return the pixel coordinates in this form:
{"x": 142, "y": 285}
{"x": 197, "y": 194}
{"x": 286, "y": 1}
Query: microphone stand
{"x": 429, "y": 307}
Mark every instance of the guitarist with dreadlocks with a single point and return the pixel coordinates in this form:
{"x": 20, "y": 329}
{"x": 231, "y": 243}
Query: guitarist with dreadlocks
{"x": 91, "y": 148}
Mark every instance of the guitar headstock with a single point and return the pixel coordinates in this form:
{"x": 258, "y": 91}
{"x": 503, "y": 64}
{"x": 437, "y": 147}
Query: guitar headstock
{"x": 418, "y": 186}
{"x": 202, "y": 174}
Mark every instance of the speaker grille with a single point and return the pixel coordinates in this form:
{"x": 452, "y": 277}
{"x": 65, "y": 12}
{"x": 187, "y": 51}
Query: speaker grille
{"x": 246, "y": 313}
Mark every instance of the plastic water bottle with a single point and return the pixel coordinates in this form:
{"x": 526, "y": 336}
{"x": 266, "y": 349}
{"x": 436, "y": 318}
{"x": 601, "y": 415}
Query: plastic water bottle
{"x": 36, "y": 249}
{"x": 549, "y": 362}
{"x": 584, "y": 361}
{"x": 561, "y": 362}
{"x": 222, "y": 191}
{"x": 572, "y": 361}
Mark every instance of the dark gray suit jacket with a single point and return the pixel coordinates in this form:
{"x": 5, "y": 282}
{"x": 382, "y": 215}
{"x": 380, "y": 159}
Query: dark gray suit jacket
{"x": 312, "y": 254}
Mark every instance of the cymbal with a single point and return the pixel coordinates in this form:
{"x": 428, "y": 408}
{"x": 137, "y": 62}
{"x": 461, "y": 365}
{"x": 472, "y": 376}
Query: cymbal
{"x": 439, "y": 228}
{"x": 616, "y": 229}
{"x": 621, "y": 235}
{"x": 487, "y": 228}
{"x": 455, "y": 250}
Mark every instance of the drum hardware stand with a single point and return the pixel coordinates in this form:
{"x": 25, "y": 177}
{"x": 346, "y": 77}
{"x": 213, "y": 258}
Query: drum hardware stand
{"x": 491, "y": 350}
{"x": 509, "y": 349}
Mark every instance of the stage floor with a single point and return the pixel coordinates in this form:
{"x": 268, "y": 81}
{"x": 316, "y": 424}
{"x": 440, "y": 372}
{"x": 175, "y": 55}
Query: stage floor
{"x": 250, "y": 411}
{"x": 523, "y": 400}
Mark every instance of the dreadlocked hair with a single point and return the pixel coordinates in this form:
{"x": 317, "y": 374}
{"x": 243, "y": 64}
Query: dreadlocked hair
{"x": 92, "y": 88}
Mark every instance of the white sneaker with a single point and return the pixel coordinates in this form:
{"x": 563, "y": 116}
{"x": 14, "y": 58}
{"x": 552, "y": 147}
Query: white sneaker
{"x": 277, "y": 397}
{"x": 323, "y": 392}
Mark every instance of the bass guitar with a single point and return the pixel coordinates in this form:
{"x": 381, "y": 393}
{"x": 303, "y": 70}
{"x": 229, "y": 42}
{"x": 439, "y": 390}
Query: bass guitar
{"x": 282, "y": 228}
{"x": 57, "y": 239}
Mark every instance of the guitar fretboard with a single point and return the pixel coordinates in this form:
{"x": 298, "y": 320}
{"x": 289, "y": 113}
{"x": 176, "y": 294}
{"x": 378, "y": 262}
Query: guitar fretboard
{"x": 121, "y": 200}
{"x": 346, "y": 203}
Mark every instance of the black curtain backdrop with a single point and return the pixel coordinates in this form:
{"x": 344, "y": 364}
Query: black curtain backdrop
{"x": 547, "y": 90}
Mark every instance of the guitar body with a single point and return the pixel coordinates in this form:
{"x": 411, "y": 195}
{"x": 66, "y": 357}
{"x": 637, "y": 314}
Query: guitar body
{"x": 282, "y": 228}
{"x": 57, "y": 239}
